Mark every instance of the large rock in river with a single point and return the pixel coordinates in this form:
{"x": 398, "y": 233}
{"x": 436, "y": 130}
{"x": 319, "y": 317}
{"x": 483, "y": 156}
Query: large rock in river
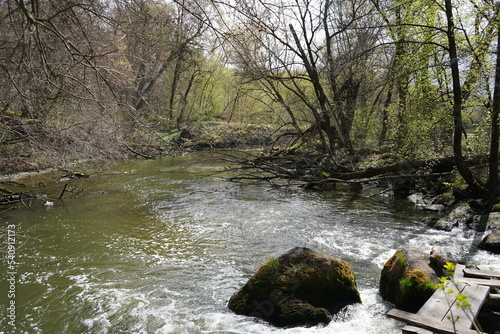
{"x": 491, "y": 243}
{"x": 300, "y": 288}
{"x": 409, "y": 277}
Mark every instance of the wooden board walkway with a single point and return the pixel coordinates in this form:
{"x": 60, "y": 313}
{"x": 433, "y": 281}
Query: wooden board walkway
{"x": 435, "y": 315}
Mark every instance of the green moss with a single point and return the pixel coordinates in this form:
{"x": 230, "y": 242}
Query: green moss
{"x": 405, "y": 283}
{"x": 401, "y": 258}
{"x": 269, "y": 270}
{"x": 418, "y": 280}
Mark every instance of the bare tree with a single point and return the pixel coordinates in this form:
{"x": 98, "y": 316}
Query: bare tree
{"x": 317, "y": 50}
{"x": 53, "y": 54}
{"x": 157, "y": 37}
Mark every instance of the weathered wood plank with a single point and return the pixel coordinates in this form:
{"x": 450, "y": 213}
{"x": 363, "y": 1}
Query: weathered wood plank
{"x": 494, "y": 297}
{"x": 436, "y": 306}
{"x": 441, "y": 307}
{"x": 476, "y": 295}
{"x": 466, "y": 275}
{"x": 480, "y": 273}
{"x": 459, "y": 271}
{"x": 415, "y": 330}
{"x": 493, "y": 301}
{"x": 495, "y": 283}
{"x": 429, "y": 324}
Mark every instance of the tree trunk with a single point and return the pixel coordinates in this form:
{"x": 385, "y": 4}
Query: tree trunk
{"x": 385, "y": 117}
{"x": 173, "y": 88}
{"x": 326, "y": 107}
{"x": 493, "y": 161}
{"x": 476, "y": 188}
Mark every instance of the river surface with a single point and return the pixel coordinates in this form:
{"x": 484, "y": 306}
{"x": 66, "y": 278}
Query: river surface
{"x": 159, "y": 246}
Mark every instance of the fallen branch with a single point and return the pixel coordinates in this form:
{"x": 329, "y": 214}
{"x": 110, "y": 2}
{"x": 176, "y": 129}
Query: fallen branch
{"x": 307, "y": 168}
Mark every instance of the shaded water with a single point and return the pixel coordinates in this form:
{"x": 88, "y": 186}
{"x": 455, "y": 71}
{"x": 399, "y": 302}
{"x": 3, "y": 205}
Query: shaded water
{"x": 159, "y": 247}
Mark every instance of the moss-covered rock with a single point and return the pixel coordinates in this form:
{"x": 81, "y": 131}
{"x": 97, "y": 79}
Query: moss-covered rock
{"x": 409, "y": 278}
{"x": 301, "y": 287}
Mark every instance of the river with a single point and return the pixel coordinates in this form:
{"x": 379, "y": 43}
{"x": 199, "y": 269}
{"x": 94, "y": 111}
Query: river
{"x": 159, "y": 246}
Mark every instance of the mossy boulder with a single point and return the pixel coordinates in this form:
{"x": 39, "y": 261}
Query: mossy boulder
{"x": 300, "y": 288}
{"x": 409, "y": 277}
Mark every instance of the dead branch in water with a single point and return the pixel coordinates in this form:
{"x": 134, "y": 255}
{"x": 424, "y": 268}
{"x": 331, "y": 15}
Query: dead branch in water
{"x": 310, "y": 169}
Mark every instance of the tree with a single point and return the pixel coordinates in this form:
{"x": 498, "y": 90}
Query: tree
{"x": 466, "y": 47}
{"x": 319, "y": 51}
{"x": 157, "y": 37}
{"x": 57, "y": 81}
{"x": 493, "y": 182}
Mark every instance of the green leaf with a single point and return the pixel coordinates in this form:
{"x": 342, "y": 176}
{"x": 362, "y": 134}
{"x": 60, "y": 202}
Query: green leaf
{"x": 449, "y": 266}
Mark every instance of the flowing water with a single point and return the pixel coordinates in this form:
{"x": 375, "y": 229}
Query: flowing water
{"x": 160, "y": 246}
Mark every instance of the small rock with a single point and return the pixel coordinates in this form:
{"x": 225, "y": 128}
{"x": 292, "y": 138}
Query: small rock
{"x": 494, "y": 221}
{"x": 435, "y": 207}
{"x": 461, "y": 211}
{"x": 417, "y": 199}
{"x": 446, "y": 200}
{"x": 442, "y": 224}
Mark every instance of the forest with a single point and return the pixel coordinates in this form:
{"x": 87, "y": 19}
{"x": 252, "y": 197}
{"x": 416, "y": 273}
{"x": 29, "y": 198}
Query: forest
{"x": 352, "y": 83}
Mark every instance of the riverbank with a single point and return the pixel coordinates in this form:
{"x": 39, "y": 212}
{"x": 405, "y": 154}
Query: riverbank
{"x": 27, "y": 157}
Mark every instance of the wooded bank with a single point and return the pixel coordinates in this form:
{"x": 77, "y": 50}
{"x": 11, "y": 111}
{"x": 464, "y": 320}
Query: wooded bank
{"x": 416, "y": 79}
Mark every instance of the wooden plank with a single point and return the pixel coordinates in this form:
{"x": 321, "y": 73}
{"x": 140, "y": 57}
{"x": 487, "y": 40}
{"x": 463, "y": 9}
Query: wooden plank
{"x": 495, "y": 297}
{"x": 459, "y": 271}
{"x": 415, "y": 330}
{"x": 495, "y": 283}
{"x": 408, "y": 329}
{"x": 493, "y": 301}
{"x": 470, "y": 276}
{"x": 480, "y": 273}
{"x": 476, "y": 295}
{"x": 436, "y": 306}
{"x": 435, "y": 312}
{"x": 429, "y": 324}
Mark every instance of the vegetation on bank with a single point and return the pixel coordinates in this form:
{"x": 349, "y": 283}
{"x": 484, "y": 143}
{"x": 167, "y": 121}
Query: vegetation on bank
{"x": 332, "y": 87}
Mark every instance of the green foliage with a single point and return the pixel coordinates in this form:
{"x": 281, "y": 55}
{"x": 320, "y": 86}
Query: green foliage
{"x": 450, "y": 268}
{"x": 160, "y": 69}
{"x": 462, "y": 301}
